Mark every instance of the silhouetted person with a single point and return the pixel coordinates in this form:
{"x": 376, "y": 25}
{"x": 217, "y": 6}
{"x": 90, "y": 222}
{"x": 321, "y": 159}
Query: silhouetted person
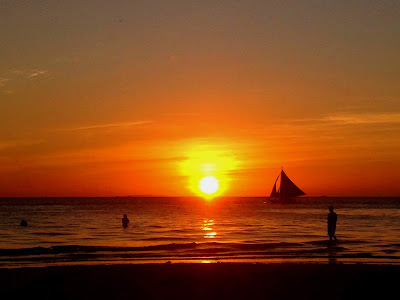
{"x": 125, "y": 221}
{"x": 332, "y": 219}
{"x": 23, "y": 223}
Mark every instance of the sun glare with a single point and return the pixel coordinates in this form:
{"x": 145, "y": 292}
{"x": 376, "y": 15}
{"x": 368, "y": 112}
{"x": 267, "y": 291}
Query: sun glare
{"x": 207, "y": 169}
{"x": 209, "y": 185}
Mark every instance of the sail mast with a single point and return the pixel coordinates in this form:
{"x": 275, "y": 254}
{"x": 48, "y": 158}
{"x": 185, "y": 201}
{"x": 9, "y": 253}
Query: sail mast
{"x": 274, "y": 193}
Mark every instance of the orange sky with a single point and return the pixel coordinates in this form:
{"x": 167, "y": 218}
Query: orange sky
{"x": 122, "y": 98}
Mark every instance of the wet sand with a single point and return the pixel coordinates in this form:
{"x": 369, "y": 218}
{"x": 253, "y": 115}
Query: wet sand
{"x": 202, "y": 281}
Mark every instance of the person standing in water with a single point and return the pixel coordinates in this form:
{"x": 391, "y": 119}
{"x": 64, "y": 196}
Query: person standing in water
{"x": 332, "y": 219}
{"x": 125, "y": 221}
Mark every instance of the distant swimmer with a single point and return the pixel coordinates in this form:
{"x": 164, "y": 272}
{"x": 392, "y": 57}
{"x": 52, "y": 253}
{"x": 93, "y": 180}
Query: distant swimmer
{"x": 23, "y": 223}
{"x": 332, "y": 219}
{"x": 125, "y": 221}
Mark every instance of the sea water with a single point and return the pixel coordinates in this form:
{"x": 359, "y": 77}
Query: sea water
{"x": 63, "y": 231}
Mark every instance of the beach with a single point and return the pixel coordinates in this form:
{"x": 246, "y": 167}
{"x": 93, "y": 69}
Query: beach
{"x": 202, "y": 281}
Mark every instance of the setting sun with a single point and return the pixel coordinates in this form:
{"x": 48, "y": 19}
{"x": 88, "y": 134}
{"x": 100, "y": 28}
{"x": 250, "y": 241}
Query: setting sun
{"x": 207, "y": 168}
{"x": 209, "y": 185}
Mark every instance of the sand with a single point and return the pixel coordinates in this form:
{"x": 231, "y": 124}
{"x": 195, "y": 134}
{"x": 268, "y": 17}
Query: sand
{"x": 202, "y": 281}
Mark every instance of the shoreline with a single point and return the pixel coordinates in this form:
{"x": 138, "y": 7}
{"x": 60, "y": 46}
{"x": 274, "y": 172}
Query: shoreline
{"x": 196, "y": 280}
{"x": 233, "y": 261}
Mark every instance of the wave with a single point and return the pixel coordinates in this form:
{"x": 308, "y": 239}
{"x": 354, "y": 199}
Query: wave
{"x": 50, "y": 233}
{"x": 187, "y": 251}
{"x": 163, "y": 247}
{"x": 40, "y": 256}
{"x": 330, "y": 243}
{"x": 154, "y": 239}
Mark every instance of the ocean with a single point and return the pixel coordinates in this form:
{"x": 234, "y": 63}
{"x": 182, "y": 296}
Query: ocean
{"x": 70, "y": 231}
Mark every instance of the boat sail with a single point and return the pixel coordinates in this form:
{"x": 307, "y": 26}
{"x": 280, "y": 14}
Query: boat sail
{"x": 287, "y": 190}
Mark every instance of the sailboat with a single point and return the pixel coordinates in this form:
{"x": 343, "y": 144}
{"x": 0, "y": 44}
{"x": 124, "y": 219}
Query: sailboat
{"x": 287, "y": 190}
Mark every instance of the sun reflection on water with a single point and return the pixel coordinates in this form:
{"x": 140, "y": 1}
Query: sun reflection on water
{"x": 206, "y": 261}
{"x": 206, "y": 226}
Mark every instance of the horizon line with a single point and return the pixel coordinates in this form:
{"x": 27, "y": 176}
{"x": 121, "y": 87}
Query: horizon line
{"x": 160, "y": 196}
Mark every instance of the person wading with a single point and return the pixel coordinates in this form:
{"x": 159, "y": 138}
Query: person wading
{"x": 332, "y": 219}
{"x": 125, "y": 221}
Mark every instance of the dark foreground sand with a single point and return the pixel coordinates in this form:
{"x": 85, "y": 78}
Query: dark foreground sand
{"x": 203, "y": 281}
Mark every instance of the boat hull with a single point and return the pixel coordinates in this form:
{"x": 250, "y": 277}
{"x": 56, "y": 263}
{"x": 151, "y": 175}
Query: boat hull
{"x": 281, "y": 200}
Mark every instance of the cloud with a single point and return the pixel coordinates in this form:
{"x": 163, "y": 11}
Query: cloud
{"x": 35, "y": 73}
{"x": 354, "y": 118}
{"x": 102, "y": 126}
{"x": 3, "y": 81}
{"x": 29, "y": 73}
{"x": 20, "y": 74}
{"x": 366, "y": 118}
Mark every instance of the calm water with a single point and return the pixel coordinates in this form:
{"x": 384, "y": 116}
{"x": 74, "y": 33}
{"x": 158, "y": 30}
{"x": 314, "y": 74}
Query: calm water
{"x": 89, "y": 231}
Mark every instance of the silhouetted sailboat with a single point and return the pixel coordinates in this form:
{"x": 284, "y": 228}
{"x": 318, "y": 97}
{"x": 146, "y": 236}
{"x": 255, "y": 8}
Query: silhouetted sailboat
{"x": 286, "y": 192}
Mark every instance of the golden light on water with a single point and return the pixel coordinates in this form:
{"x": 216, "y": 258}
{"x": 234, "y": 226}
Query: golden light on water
{"x": 206, "y": 226}
{"x": 206, "y": 261}
{"x": 210, "y": 235}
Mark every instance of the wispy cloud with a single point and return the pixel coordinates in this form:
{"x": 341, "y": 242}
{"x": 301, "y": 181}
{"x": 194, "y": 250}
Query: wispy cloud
{"x": 21, "y": 74}
{"x": 29, "y": 73}
{"x": 366, "y": 118}
{"x": 36, "y": 73}
{"x": 3, "y": 81}
{"x": 103, "y": 126}
{"x": 353, "y": 118}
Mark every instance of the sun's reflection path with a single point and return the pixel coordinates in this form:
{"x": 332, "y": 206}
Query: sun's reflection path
{"x": 206, "y": 226}
{"x": 206, "y": 261}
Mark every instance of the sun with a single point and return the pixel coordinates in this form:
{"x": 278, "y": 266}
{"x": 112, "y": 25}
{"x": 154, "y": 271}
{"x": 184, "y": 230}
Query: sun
{"x": 207, "y": 168}
{"x": 209, "y": 185}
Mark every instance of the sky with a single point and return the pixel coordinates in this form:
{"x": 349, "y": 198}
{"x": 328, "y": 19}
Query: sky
{"x": 105, "y": 98}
